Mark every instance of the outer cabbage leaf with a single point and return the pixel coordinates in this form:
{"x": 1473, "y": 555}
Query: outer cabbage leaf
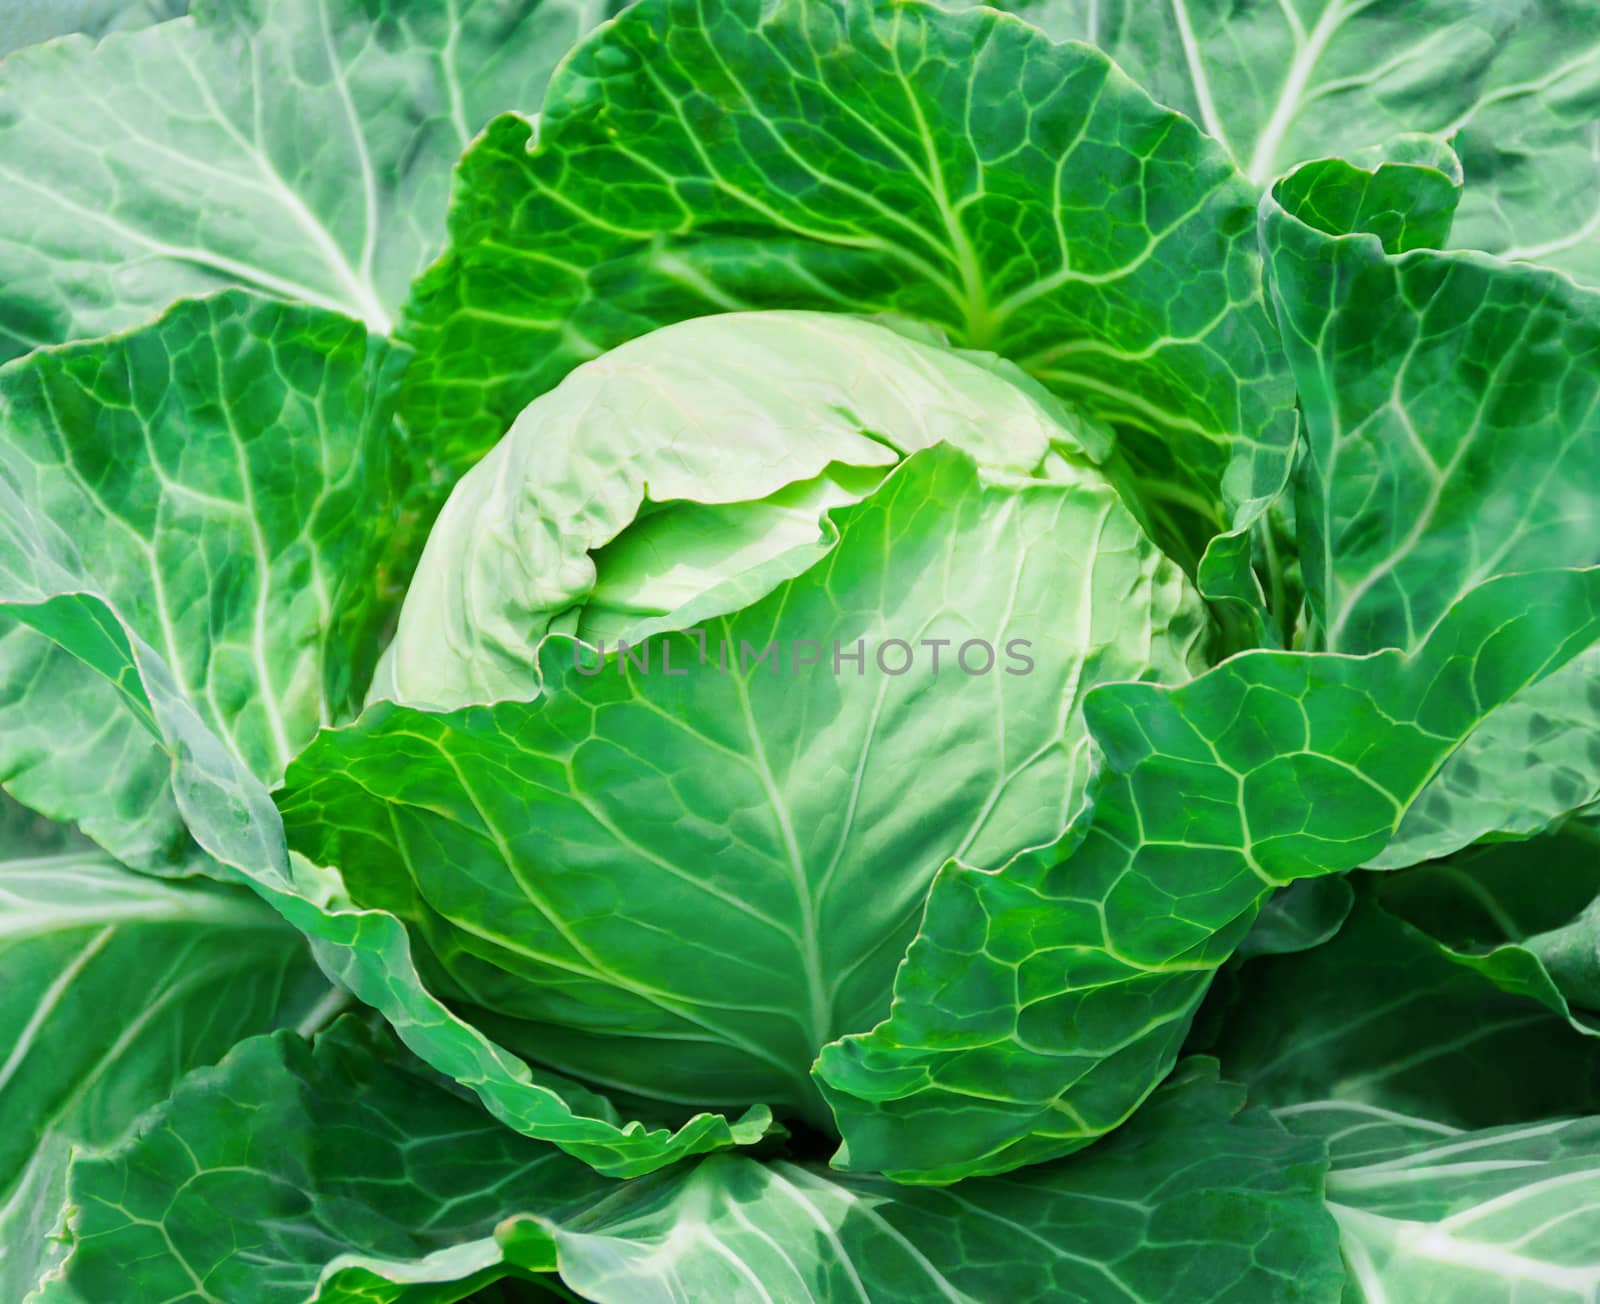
{"x": 881, "y": 156}
{"x": 1452, "y": 407}
{"x": 681, "y": 882}
{"x": 115, "y": 985}
{"x": 1432, "y": 1214}
{"x": 357, "y": 1181}
{"x": 1333, "y": 1023}
{"x": 1514, "y": 85}
{"x": 289, "y": 1173}
{"x": 1040, "y": 1003}
{"x": 28, "y": 22}
{"x": 686, "y": 474}
{"x": 87, "y": 600}
{"x": 1452, "y": 411}
{"x": 1306, "y": 913}
{"x": 1526, "y": 915}
{"x": 1529, "y": 765}
{"x": 365, "y": 951}
{"x": 26, "y": 832}
{"x": 224, "y": 475}
{"x": 1454, "y": 1176}
{"x": 301, "y": 148}
{"x": 1190, "y": 1191}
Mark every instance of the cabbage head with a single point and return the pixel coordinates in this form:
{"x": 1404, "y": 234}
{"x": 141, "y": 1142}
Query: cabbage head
{"x": 799, "y": 651}
{"x": 809, "y": 605}
{"x": 687, "y": 472}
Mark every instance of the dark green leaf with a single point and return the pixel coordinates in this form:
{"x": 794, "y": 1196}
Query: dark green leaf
{"x": 1295, "y": 918}
{"x": 355, "y": 1182}
{"x": 1040, "y": 1003}
{"x": 1380, "y": 1017}
{"x": 875, "y": 156}
{"x": 115, "y": 984}
{"x": 1526, "y": 915}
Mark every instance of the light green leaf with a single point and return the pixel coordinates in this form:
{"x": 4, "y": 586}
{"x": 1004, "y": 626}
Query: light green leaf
{"x": 1277, "y": 84}
{"x": 28, "y": 22}
{"x": 302, "y": 148}
{"x": 686, "y": 474}
{"x": 1383, "y": 1017}
{"x": 1452, "y": 414}
{"x": 1430, "y": 1214}
{"x": 356, "y": 1181}
{"x": 1514, "y": 85}
{"x": 681, "y": 882}
{"x": 224, "y": 476}
{"x": 115, "y": 985}
{"x": 1531, "y": 144}
{"x": 958, "y": 170}
{"x": 1040, "y": 1003}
